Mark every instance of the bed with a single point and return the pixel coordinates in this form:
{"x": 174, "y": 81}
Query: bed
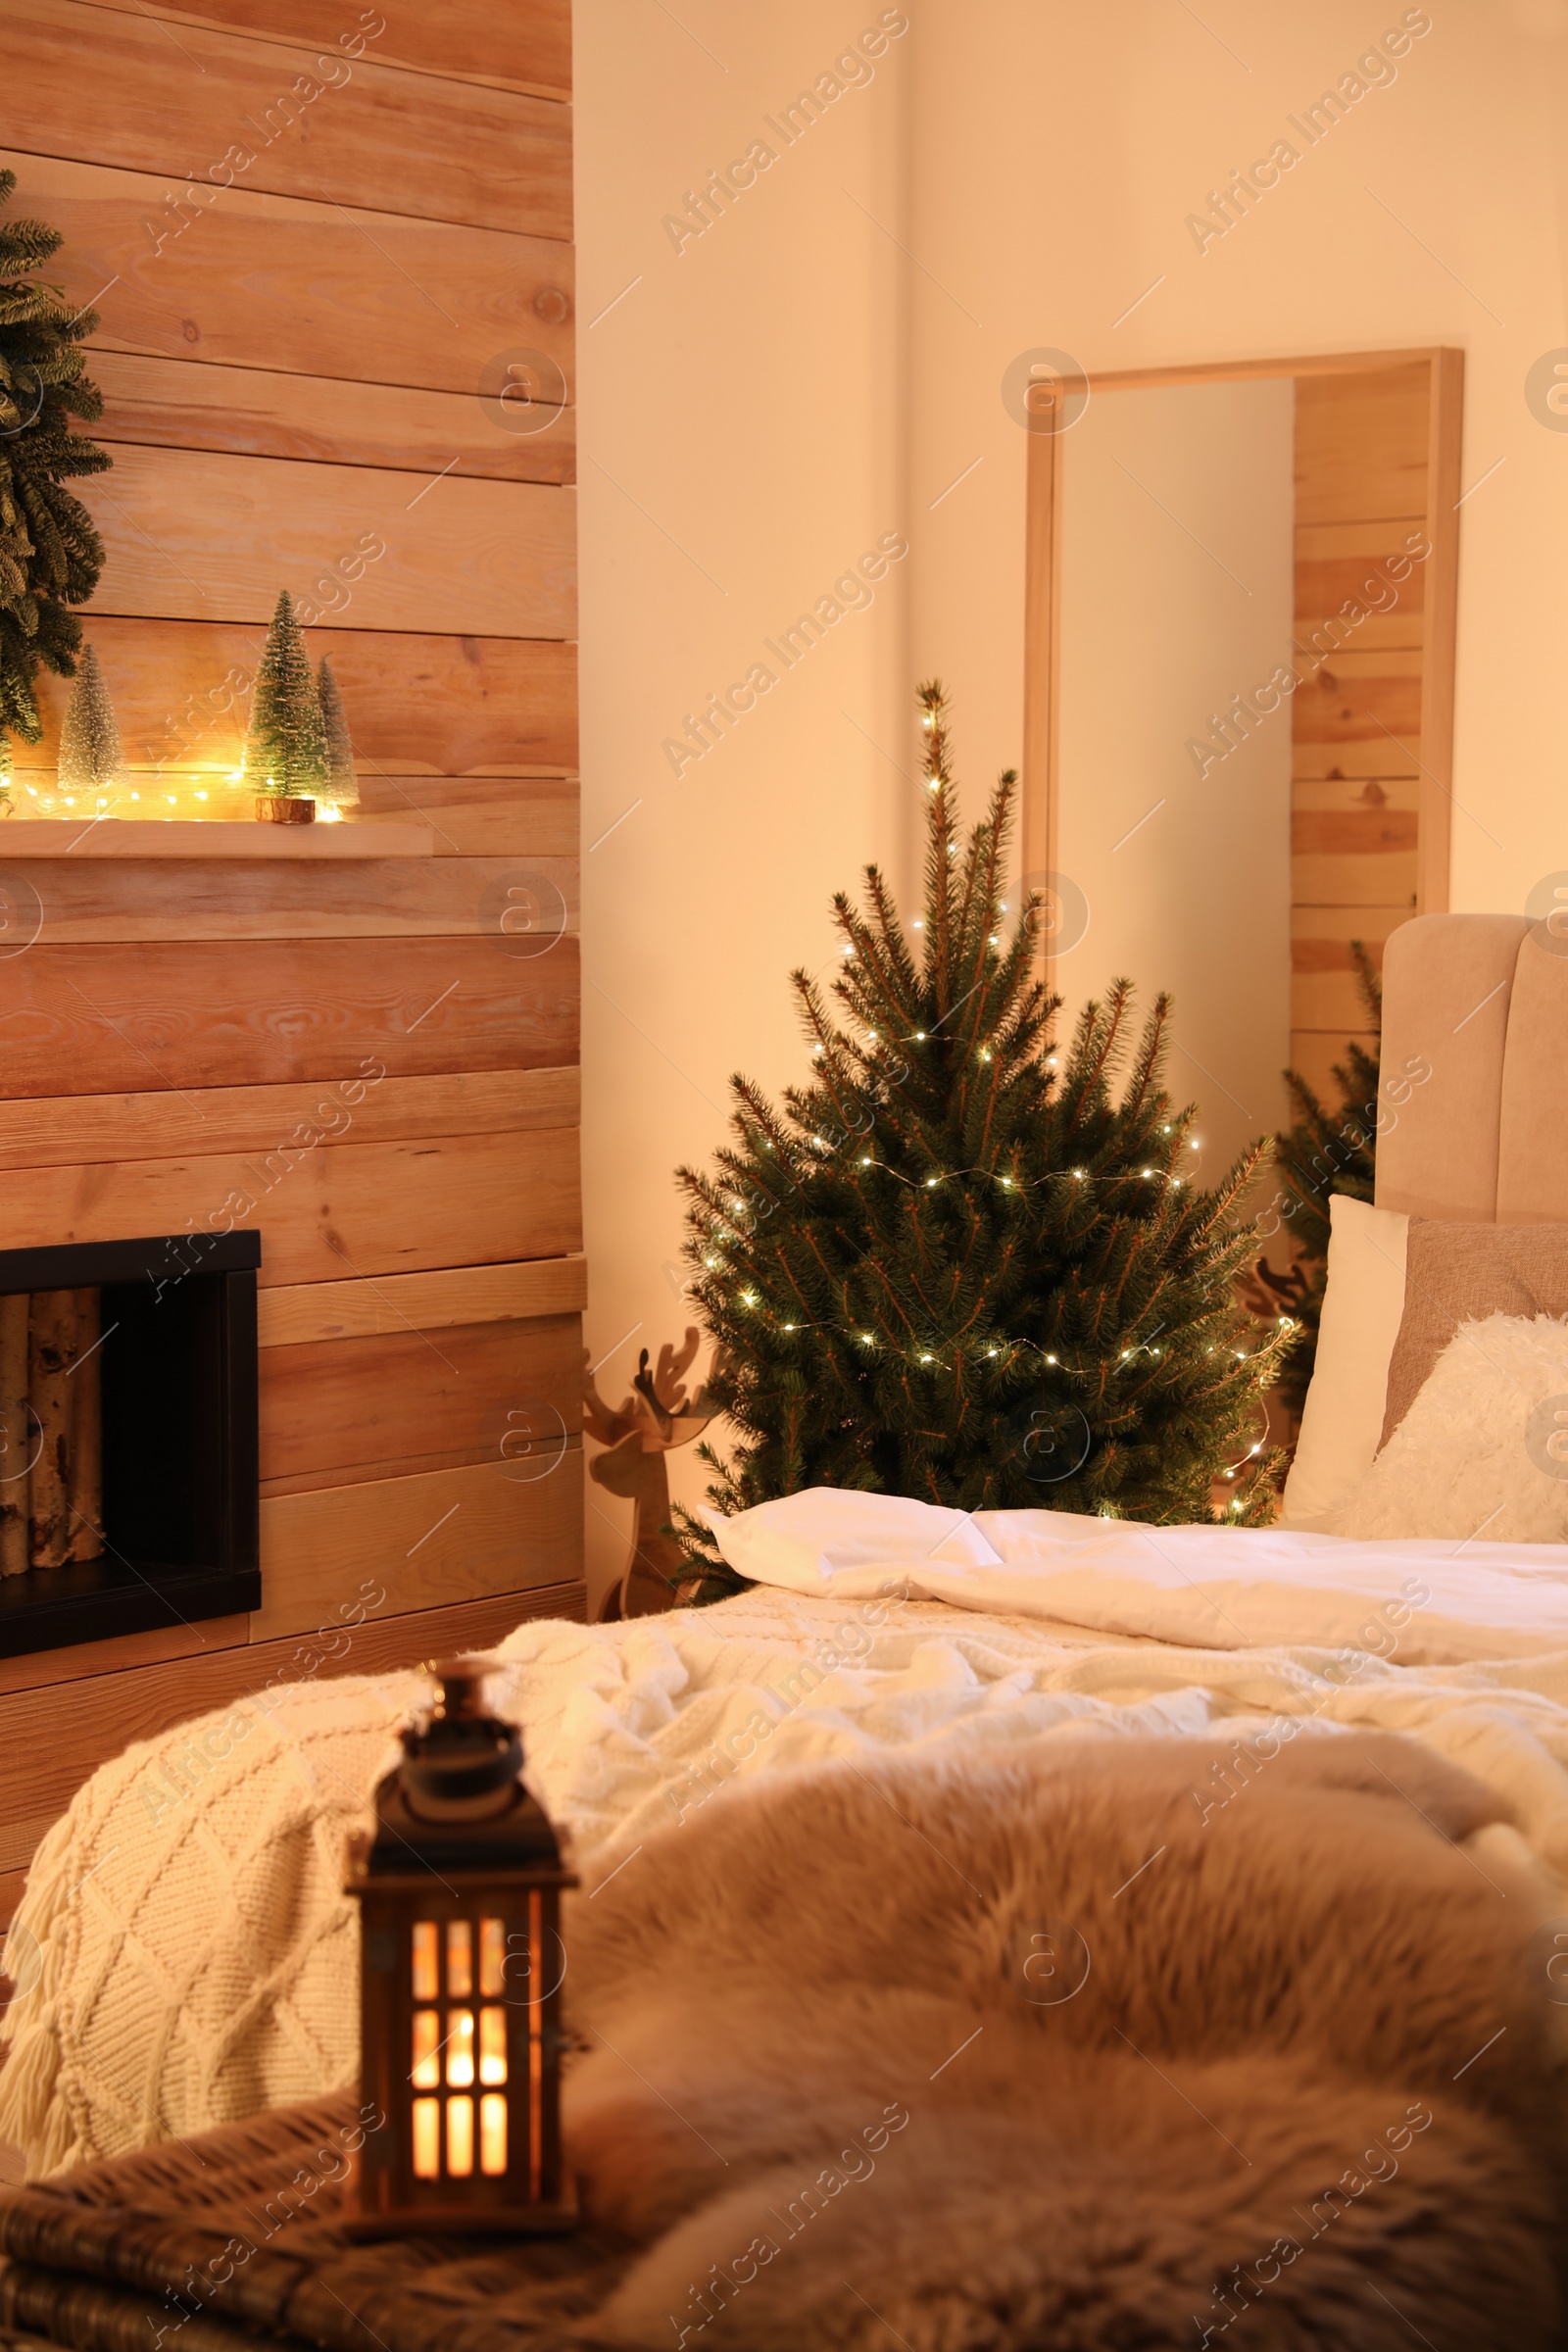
{"x": 185, "y": 1951}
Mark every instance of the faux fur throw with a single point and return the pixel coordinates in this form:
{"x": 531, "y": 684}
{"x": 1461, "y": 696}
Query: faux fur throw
{"x": 1055, "y": 2051}
{"x": 186, "y": 1954}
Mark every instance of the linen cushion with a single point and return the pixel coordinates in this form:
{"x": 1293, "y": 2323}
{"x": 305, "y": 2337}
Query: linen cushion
{"x": 1457, "y": 1273}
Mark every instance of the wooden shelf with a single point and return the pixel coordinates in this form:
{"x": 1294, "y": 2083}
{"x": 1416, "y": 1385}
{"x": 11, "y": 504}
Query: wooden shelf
{"x": 206, "y": 837}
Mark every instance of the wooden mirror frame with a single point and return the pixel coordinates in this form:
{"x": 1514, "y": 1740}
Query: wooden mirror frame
{"x": 1418, "y": 686}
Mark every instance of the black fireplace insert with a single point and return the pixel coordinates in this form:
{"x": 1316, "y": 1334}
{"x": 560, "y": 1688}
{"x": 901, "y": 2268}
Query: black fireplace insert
{"x": 128, "y": 1497}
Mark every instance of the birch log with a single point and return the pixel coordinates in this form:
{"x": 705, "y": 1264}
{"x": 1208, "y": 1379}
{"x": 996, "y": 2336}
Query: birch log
{"x": 13, "y": 1549}
{"x": 53, "y": 1351}
{"x": 86, "y": 1434}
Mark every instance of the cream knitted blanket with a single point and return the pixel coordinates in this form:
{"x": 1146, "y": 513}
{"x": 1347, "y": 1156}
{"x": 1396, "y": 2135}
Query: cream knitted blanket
{"x": 187, "y": 1956}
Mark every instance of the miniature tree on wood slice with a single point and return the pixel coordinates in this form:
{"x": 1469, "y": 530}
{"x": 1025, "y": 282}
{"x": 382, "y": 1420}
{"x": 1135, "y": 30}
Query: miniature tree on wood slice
{"x": 961, "y": 1264}
{"x": 342, "y": 787}
{"x": 50, "y": 555}
{"x": 285, "y": 746}
{"x": 90, "y": 754}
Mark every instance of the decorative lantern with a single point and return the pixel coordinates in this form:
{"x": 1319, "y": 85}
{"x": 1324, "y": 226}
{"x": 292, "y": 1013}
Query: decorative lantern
{"x": 461, "y": 1968}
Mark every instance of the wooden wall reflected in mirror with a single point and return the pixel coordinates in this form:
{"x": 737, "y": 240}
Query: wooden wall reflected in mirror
{"x": 1369, "y": 530}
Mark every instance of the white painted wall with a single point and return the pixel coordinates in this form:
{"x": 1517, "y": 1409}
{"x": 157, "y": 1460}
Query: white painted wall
{"x": 824, "y": 362}
{"x": 743, "y": 418}
{"x": 1177, "y": 593}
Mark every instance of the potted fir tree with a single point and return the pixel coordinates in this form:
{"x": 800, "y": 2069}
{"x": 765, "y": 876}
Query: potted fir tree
{"x": 967, "y": 1265}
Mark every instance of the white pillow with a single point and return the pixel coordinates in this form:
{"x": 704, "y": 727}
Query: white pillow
{"x": 1342, "y": 1419}
{"x": 1482, "y": 1451}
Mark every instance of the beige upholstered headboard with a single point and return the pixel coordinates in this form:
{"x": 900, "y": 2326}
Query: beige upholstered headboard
{"x": 1474, "y": 1093}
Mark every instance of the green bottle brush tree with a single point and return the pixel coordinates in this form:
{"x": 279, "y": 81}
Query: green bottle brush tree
{"x": 959, "y": 1264}
{"x": 286, "y": 745}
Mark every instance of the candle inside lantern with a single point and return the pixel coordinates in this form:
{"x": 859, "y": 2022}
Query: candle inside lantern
{"x": 460, "y": 2137}
{"x": 459, "y": 2049}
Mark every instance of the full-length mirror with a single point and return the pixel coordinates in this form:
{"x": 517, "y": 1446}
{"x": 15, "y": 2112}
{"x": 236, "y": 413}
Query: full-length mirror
{"x": 1241, "y": 645}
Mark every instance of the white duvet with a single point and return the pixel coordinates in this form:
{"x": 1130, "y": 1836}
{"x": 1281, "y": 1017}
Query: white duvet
{"x": 188, "y": 1954}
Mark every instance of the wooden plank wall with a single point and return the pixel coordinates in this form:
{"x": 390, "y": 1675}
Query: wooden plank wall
{"x": 1362, "y": 499}
{"x": 317, "y": 237}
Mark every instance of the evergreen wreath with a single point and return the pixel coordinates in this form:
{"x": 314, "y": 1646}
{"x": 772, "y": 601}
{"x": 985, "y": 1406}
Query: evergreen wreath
{"x": 50, "y": 555}
{"x": 956, "y": 1265}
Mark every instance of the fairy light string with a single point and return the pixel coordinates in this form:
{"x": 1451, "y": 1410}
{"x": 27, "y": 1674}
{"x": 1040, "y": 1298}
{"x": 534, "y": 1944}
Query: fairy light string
{"x": 840, "y": 1246}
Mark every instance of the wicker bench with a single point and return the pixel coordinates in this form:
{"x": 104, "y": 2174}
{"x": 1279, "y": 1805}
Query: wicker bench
{"x": 233, "y": 2238}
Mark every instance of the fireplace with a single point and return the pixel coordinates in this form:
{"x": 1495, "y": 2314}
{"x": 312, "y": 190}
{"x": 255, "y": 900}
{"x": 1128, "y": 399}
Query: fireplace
{"x": 128, "y": 1436}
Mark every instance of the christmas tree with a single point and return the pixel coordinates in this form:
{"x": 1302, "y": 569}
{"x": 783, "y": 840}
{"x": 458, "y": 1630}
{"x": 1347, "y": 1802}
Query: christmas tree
{"x": 342, "y": 787}
{"x": 90, "y": 756}
{"x": 958, "y": 1265}
{"x": 1324, "y": 1151}
{"x": 285, "y": 748}
{"x": 50, "y": 555}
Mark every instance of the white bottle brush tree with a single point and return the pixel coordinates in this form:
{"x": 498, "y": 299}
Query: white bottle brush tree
{"x": 285, "y": 746}
{"x": 90, "y": 759}
{"x": 342, "y": 787}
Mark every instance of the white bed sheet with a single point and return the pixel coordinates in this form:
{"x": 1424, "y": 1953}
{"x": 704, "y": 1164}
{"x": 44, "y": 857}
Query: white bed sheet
{"x": 197, "y": 1957}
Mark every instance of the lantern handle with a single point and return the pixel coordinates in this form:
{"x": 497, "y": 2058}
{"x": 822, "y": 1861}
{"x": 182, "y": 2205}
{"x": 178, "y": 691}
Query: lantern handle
{"x": 460, "y": 1688}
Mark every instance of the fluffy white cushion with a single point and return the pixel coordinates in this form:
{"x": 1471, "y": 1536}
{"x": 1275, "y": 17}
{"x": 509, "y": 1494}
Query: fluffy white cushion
{"x": 1342, "y": 1419}
{"x": 1482, "y": 1451}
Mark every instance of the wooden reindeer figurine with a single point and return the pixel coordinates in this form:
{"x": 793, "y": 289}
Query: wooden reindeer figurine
{"x": 654, "y": 1420}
